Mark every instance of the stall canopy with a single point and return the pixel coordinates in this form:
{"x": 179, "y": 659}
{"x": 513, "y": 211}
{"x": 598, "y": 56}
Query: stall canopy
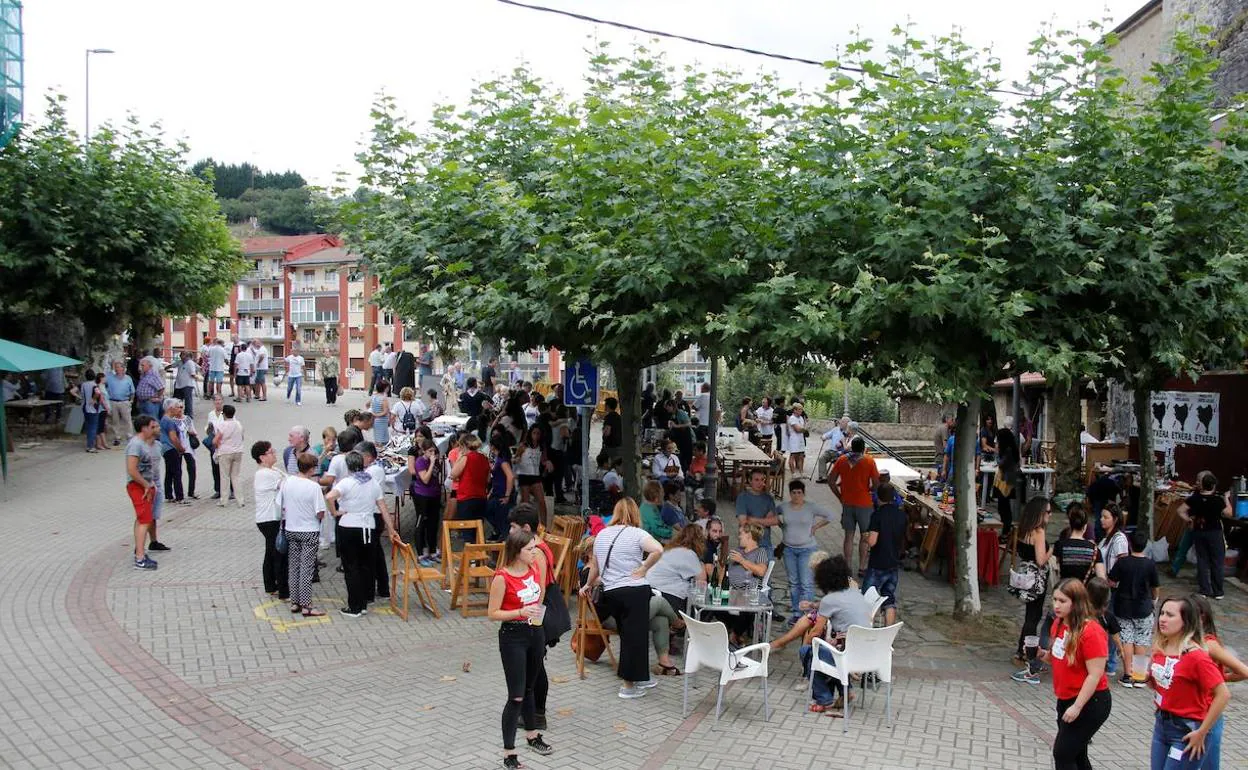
{"x": 15, "y": 357}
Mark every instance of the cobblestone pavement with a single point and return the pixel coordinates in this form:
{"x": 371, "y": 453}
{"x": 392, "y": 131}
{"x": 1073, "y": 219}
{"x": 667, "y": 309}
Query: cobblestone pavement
{"x": 193, "y": 666}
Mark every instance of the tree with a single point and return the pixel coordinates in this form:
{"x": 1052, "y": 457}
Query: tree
{"x": 116, "y": 233}
{"x": 609, "y": 226}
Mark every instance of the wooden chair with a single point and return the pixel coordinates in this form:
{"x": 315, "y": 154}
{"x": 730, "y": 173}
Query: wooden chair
{"x": 587, "y": 623}
{"x": 404, "y": 566}
{"x": 474, "y": 565}
{"x": 572, "y": 528}
{"x": 560, "y": 547}
{"x": 448, "y": 558}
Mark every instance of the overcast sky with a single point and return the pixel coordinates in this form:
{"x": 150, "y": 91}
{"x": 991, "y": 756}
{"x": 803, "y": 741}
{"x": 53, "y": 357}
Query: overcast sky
{"x": 287, "y": 84}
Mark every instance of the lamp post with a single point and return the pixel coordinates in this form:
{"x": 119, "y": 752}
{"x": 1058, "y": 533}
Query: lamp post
{"x": 86, "y": 133}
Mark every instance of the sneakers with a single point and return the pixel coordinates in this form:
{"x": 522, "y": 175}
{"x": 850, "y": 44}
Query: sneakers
{"x": 1025, "y": 677}
{"x": 1126, "y": 681}
{"x": 348, "y": 613}
{"x": 146, "y": 563}
{"x": 116, "y": 442}
{"x": 215, "y": 496}
{"x": 156, "y": 545}
{"x": 628, "y": 693}
{"x": 512, "y": 761}
{"x": 646, "y": 685}
{"x": 540, "y": 746}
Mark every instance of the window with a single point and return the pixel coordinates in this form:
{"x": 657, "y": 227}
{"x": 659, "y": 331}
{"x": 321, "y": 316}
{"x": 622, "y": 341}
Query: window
{"x": 309, "y": 276}
{"x": 257, "y": 268}
{"x": 255, "y": 292}
{"x": 277, "y": 292}
{"x": 257, "y": 322}
{"x": 331, "y": 274}
{"x": 357, "y": 335}
{"x": 331, "y": 334}
{"x": 179, "y": 324}
{"x": 387, "y": 319}
{"x": 223, "y": 324}
{"x": 355, "y": 303}
{"x": 355, "y": 276}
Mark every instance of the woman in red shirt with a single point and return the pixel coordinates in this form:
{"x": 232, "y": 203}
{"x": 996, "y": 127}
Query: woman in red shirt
{"x": 472, "y": 471}
{"x": 516, "y": 602}
{"x": 1233, "y": 670}
{"x": 1078, "y": 653}
{"x": 1189, "y": 689}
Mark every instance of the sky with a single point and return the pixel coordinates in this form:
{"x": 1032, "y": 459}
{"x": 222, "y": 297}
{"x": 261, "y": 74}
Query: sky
{"x": 288, "y": 84}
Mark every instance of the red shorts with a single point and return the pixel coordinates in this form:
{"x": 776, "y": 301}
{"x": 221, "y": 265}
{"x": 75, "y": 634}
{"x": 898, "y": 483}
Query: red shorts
{"x": 142, "y": 503}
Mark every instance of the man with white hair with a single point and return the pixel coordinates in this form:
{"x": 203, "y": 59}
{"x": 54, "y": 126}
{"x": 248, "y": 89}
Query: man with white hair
{"x": 120, "y": 389}
{"x": 150, "y": 391}
{"x": 298, "y": 441}
{"x": 259, "y": 379}
{"x": 832, "y": 439}
{"x": 244, "y": 364}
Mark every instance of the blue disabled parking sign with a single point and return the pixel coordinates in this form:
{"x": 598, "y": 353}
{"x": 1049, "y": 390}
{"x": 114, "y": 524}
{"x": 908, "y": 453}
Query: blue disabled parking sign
{"x": 580, "y": 383}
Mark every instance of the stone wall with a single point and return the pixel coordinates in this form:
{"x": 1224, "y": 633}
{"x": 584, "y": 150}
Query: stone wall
{"x": 1146, "y": 40}
{"x": 884, "y": 431}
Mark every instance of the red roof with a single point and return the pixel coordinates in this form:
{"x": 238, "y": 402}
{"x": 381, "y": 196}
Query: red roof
{"x": 273, "y": 244}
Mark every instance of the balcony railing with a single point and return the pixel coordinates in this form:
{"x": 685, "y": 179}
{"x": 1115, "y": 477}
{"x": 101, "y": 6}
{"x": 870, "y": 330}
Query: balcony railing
{"x": 265, "y": 333}
{"x": 255, "y": 276}
{"x": 318, "y": 348}
{"x": 318, "y": 317}
{"x": 252, "y": 305}
{"x": 314, "y": 287}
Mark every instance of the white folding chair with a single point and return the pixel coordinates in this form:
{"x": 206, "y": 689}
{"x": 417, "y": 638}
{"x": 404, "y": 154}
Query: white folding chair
{"x": 706, "y": 646}
{"x": 867, "y": 651}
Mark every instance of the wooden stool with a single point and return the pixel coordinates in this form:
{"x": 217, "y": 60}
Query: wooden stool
{"x": 448, "y": 558}
{"x": 404, "y": 566}
{"x": 587, "y": 623}
{"x": 474, "y": 566}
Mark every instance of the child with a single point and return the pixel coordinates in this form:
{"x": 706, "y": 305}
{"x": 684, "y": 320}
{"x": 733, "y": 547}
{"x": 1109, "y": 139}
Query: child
{"x": 1136, "y": 582}
{"x": 1098, "y": 594}
{"x": 697, "y": 466}
{"x": 705, "y": 511}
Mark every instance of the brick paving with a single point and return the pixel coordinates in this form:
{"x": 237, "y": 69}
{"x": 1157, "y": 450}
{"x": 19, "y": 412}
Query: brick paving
{"x": 193, "y": 666}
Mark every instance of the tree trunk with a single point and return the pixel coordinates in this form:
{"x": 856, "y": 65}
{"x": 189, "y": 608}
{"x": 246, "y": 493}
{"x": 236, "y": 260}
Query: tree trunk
{"x": 966, "y": 556}
{"x": 627, "y": 380}
{"x": 1064, "y": 414}
{"x": 1118, "y": 410}
{"x": 1148, "y": 465}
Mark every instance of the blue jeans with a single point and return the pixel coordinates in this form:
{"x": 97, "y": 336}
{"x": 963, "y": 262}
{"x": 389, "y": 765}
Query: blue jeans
{"x": 376, "y": 379}
{"x": 884, "y": 581}
{"x": 1168, "y": 749}
{"x": 496, "y": 512}
{"x": 825, "y": 688}
{"x": 1213, "y": 745}
{"x": 801, "y": 581}
{"x": 295, "y": 384}
{"x": 149, "y": 408}
{"x": 92, "y": 422}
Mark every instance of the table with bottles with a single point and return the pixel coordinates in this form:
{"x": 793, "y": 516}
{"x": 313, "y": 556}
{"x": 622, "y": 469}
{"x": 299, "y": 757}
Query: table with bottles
{"x": 756, "y": 601}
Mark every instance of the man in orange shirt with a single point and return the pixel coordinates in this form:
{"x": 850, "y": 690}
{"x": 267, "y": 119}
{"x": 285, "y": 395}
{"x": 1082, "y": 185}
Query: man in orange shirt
{"x": 858, "y": 476}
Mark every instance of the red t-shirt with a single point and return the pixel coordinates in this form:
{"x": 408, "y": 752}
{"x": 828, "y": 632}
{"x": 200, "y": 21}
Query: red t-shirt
{"x": 475, "y": 478}
{"x": 856, "y": 480}
{"x": 521, "y": 591}
{"x": 1183, "y": 685}
{"x": 550, "y": 560}
{"x": 1070, "y": 671}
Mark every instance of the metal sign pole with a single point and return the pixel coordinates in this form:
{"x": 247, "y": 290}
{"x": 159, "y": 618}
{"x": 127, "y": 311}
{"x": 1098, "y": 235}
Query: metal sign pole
{"x": 587, "y": 414}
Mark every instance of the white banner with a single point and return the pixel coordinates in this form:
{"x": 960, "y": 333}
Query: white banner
{"x": 1181, "y": 417}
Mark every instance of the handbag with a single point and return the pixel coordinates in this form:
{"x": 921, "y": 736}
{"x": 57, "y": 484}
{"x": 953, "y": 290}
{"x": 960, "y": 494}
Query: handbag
{"x": 595, "y": 593}
{"x": 194, "y": 441}
{"x": 558, "y": 620}
{"x": 280, "y": 544}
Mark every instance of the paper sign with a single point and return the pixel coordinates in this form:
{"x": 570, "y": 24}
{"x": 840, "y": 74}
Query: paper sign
{"x": 1183, "y": 418}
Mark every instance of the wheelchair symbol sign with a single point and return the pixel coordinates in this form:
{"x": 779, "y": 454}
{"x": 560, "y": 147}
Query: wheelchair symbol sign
{"x": 580, "y": 383}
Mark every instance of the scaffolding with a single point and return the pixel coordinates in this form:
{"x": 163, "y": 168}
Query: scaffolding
{"x": 11, "y": 69}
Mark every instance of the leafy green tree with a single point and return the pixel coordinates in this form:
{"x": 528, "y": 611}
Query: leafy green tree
{"x": 116, "y": 234}
{"x": 611, "y": 225}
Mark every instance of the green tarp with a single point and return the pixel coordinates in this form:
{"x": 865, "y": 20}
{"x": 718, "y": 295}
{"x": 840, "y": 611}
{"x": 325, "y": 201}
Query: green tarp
{"x": 15, "y": 357}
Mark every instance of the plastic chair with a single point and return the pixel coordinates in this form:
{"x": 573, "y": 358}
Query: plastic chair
{"x": 873, "y": 609}
{"x": 867, "y": 651}
{"x": 706, "y": 646}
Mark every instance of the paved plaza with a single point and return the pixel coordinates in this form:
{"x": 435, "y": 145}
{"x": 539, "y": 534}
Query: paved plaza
{"x": 193, "y": 666}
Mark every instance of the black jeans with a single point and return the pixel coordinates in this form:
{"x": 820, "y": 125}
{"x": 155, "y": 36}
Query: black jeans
{"x": 173, "y": 475}
{"x": 1210, "y": 547}
{"x": 331, "y": 390}
{"x": 630, "y": 606}
{"x": 1031, "y": 621}
{"x": 1070, "y": 747}
{"x": 377, "y": 559}
{"x": 189, "y": 459}
{"x": 273, "y": 568}
{"x": 428, "y": 522}
{"x": 520, "y": 647}
{"x": 357, "y": 565}
{"x": 187, "y": 395}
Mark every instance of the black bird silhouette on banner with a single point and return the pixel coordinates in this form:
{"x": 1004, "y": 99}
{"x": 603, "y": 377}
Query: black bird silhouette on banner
{"x": 1180, "y": 414}
{"x": 1204, "y": 413}
{"x": 1159, "y": 411}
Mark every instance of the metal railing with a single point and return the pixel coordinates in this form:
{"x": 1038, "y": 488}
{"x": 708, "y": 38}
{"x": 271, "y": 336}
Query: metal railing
{"x": 252, "y": 276}
{"x": 317, "y": 317}
{"x": 253, "y": 305}
{"x": 314, "y": 287}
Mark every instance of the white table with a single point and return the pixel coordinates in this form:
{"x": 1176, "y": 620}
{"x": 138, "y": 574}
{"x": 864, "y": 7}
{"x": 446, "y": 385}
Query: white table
{"x": 989, "y": 470}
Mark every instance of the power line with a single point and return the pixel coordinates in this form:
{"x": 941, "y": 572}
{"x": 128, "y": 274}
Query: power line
{"x": 724, "y": 46}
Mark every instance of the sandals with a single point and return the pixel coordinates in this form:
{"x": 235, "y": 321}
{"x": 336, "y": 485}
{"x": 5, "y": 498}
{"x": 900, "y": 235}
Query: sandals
{"x": 819, "y": 708}
{"x": 295, "y": 609}
{"x": 312, "y": 612}
{"x": 663, "y": 670}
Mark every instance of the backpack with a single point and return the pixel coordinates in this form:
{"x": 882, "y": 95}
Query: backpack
{"x": 409, "y": 420}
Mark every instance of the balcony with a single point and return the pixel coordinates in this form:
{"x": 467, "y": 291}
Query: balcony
{"x": 314, "y": 287}
{"x": 267, "y": 333}
{"x": 253, "y": 305}
{"x": 260, "y": 276}
{"x": 317, "y": 348}
{"x": 318, "y": 317}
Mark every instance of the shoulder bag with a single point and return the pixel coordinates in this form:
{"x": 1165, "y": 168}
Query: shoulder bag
{"x": 595, "y": 593}
{"x": 1027, "y": 580}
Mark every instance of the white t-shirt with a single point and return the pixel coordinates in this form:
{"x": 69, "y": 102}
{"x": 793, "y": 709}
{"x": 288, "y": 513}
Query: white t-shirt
{"x": 530, "y": 414}
{"x": 375, "y": 358}
{"x": 613, "y": 479}
{"x": 702, "y": 408}
{"x": 357, "y": 501}
{"x": 390, "y": 360}
{"x": 217, "y": 358}
{"x": 268, "y": 482}
{"x": 379, "y": 475}
{"x": 301, "y": 500}
{"x": 243, "y": 363}
{"x": 294, "y": 365}
{"x": 626, "y": 555}
{"x": 262, "y": 358}
{"x": 338, "y": 467}
{"x": 400, "y": 409}
{"x": 658, "y": 466}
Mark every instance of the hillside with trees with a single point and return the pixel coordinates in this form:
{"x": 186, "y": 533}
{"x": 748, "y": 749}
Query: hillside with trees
{"x": 281, "y": 202}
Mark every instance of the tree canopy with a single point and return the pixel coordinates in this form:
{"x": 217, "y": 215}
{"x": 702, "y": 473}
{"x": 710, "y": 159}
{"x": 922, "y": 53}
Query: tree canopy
{"x": 282, "y": 202}
{"x": 114, "y": 233}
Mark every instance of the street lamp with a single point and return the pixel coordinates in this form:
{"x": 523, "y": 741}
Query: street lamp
{"x": 86, "y": 133}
